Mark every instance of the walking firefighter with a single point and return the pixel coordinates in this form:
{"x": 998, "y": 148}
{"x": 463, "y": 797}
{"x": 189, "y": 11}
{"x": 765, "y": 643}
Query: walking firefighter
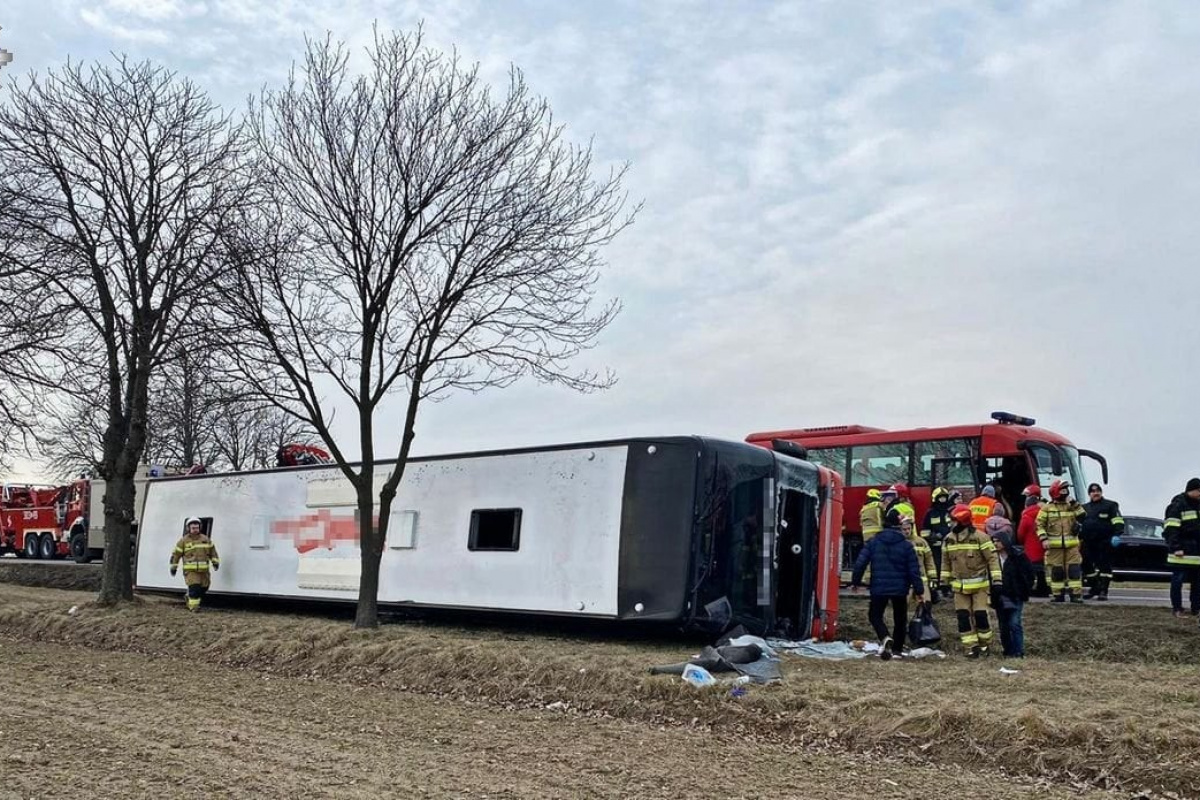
{"x": 198, "y": 555}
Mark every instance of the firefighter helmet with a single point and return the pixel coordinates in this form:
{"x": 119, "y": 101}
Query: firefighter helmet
{"x": 190, "y": 520}
{"x": 940, "y": 493}
{"x": 900, "y": 490}
{"x": 893, "y": 518}
{"x": 1032, "y": 490}
{"x": 961, "y": 514}
{"x": 873, "y": 494}
{"x": 1058, "y": 489}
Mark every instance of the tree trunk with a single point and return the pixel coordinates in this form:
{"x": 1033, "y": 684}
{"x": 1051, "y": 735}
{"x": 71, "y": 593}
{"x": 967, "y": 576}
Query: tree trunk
{"x": 370, "y": 547}
{"x": 117, "y": 579}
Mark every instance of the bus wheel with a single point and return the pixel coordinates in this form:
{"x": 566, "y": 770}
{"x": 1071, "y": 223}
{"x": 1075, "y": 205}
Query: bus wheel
{"x": 49, "y": 547}
{"x": 79, "y": 549}
{"x": 33, "y": 547}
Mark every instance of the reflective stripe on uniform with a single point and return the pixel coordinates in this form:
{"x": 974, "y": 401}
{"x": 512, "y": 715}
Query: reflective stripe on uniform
{"x": 1190, "y": 515}
{"x": 1171, "y": 523}
{"x": 1183, "y": 561}
{"x": 960, "y": 548}
{"x": 1059, "y": 543}
{"x": 1117, "y": 521}
{"x": 192, "y": 566}
{"x": 968, "y": 585}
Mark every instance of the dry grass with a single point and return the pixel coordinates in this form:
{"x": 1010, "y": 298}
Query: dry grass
{"x": 1130, "y": 722}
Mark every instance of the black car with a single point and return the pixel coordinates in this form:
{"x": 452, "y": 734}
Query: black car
{"x": 1142, "y": 553}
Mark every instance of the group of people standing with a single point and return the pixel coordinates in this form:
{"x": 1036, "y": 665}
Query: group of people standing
{"x": 971, "y": 554}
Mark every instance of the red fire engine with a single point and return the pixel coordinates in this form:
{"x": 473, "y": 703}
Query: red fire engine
{"x": 37, "y": 521}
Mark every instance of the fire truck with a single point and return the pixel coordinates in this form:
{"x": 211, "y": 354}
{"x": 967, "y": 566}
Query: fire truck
{"x": 35, "y": 520}
{"x": 48, "y": 522}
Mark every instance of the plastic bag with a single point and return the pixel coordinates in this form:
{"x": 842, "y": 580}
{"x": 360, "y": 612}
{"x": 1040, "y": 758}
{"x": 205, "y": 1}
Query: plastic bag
{"x": 922, "y": 628}
{"x": 698, "y": 676}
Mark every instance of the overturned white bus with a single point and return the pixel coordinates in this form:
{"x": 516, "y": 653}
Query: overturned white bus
{"x": 685, "y": 530}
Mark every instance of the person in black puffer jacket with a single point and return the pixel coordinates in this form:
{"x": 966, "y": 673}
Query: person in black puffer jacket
{"x": 1010, "y": 597}
{"x": 894, "y": 570}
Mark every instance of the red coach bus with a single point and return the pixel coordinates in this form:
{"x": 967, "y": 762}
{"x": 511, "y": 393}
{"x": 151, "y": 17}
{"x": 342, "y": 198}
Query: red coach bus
{"x": 1011, "y": 453}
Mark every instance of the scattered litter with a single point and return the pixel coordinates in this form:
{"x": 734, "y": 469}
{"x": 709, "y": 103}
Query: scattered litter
{"x": 72, "y": 610}
{"x": 557, "y": 705}
{"x": 737, "y": 691}
{"x": 761, "y": 643}
{"x": 1007, "y": 671}
{"x": 809, "y": 648}
{"x": 842, "y": 651}
{"x": 925, "y": 652}
{"x": 748, "y": 656}
{"x": 698, "y": 676}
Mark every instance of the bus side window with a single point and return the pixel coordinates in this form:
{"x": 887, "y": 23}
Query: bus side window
{"x": 956, "y": 453}
{"x": 879, "y": 464}
{"x": 832, "y": 457}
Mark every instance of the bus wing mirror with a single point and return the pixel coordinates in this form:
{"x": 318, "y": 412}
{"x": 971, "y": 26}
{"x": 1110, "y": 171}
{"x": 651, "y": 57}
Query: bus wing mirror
{"x": 1099, "y": 459}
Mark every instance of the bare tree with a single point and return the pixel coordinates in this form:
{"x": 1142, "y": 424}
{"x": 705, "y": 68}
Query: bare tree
{"x": 122, "y": 177}
{"x": 421, "y": 236}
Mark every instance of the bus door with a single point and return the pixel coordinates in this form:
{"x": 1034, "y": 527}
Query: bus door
{"x": 1012, "y": 474}
{"x": 796, "y": 558}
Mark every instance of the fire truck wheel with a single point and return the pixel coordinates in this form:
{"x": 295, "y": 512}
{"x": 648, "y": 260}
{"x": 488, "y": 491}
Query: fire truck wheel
{"x": 33, "y": 548}
{"x": 79, "y": 548}
{"x": 48, "y": 546}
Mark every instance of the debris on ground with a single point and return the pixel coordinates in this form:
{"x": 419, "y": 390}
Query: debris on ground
{"x": 749, "y": 656}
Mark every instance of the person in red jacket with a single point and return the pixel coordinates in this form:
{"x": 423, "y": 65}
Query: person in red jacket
{"x": 1027, "y": 538}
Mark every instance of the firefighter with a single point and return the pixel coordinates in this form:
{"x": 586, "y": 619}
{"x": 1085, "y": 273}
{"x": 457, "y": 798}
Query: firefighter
{"x": 929, "y": 570}
{"x": 198, "y": 555}
{"x": 934, "y": 528}
{"x": 1102, "y": 526}
{"x": 903, "y": 502}
{"x": 1058, "y": 525}
{"x": 1181, "y": 528}
{"x": 1027, "y": 537}
{"x": 870, "y": 518}
{"x": 981, "y": 507}
{"x": 971, "y": 568}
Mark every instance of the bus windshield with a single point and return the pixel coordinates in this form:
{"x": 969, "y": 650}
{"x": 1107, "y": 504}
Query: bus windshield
{"x": 1070, "y": 467}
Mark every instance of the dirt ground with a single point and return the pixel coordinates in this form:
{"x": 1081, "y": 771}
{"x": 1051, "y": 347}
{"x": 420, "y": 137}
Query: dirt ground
{"x": 289, "y": 704}
{"x": 131, "y": 725}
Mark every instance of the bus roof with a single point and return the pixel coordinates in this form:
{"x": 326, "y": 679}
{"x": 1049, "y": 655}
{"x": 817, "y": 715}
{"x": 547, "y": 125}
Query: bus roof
{"x": 996, "y": 435}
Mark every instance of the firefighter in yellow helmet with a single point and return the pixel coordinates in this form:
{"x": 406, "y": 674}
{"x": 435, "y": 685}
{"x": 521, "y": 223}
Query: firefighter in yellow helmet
{"x": 971, "y": 568}
{"x": 1058, "y": 526}
{"x": 198, "y": 555}
{"x": 870, "y": 520}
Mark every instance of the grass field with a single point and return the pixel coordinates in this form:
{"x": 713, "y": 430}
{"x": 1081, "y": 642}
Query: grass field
{"x": 1107, "y": 700}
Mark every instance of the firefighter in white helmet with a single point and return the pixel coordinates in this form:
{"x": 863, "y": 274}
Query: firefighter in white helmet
{"x": 198, "y": 556}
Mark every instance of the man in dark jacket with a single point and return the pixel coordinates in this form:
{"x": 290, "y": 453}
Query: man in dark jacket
{"x": 1101, "y": 526}
{"x": 1010, "y": 597}
{"x": 1181, "y": 529}
{"x": 894, "y": 570}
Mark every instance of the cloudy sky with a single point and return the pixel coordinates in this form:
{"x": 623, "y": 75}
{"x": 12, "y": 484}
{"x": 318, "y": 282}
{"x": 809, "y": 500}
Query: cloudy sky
{"x": 896, "y": 214}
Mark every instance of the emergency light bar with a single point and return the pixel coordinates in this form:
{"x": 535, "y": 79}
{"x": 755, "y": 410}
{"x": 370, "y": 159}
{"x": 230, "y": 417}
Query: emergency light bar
{"x": 1005, "y": 418}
